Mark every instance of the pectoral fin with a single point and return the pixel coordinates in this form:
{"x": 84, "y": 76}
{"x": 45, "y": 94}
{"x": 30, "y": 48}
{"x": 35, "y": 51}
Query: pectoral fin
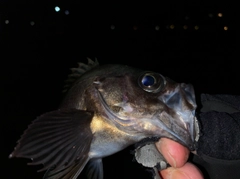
{"x": 59, "y": 139}
{"x": 70, "y": 172}
{"x": 95, "y": 169}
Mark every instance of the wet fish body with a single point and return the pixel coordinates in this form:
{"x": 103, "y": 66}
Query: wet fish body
{"x": 106, "y": 109}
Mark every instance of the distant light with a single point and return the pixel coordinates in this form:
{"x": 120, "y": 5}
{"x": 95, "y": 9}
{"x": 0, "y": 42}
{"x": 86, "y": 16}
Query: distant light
{"x": 185, "y": 27}
{"x": 220, "y": 14}
{"x": 157, "y": 27}
{"x": 57, "y": 9}
{"x": 32, "y": 23}
{"x": 225, "y": 28}
{"x": 186, "y": 17}
{"x": 66, "y": 12}
{"x": 6, "y": 21}
{"x": 135, "y": 27}
{"x": 172, "y": 26}
{"x": 210, "y": 15}
{"x": 196, "y": 27}
{"x": 112, "y": 27}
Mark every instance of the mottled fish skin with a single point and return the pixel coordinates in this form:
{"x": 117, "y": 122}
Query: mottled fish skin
{"x": 107, "y": 109}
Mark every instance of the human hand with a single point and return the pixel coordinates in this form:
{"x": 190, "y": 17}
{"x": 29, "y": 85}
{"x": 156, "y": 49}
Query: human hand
{"x": 177, "y": 155}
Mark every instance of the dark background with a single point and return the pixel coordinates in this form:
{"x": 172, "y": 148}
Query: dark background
{"x": 38, "y": 46}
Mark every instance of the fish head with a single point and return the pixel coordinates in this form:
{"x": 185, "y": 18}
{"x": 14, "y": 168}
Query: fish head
{"x": 147, "y": 104}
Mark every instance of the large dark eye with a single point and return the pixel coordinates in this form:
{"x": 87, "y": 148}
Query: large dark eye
{"x": 151, "y": 82}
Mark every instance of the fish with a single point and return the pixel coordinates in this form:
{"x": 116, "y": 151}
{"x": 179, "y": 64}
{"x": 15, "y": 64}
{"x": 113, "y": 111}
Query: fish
{"x": 107, "y": 108}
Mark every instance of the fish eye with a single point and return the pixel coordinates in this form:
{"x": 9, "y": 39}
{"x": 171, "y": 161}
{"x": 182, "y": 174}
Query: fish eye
{"x": 148, "y": 80}
{"x": 151, "y": 82}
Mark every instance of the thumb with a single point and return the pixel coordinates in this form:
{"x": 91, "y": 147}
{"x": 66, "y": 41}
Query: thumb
{"x": 175, "y": 154}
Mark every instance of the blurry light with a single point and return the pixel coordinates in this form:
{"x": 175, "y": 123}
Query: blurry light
{"x": 220, "y": 14}
{"x": 135, "y": 27}
{"x": 185, "y": 27}
{"x": 225, "y": 28}
{"x": 210, "y": 15}
{"x": 196, "y": 27}
{"x": 112, "y": 27}
{"x": 172, "y": 26}
{"x": 186, "y": 18}
{"x": 32, "y": 23}
{"x": 57, "y": 9}
{"x": 157, "y": 27}
{"x": 6, "y": 21}
{"x": 66, "y": 12}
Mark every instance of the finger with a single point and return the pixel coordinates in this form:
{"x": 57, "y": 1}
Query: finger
{"x": 188, "y": 171}
{"x": 175, "y": 154}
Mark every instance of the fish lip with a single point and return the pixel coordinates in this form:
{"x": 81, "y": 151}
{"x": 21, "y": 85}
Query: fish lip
{"x": 197, "y": 130}
{"x": 179, "y": 133}
{"x": 194, "y": 134}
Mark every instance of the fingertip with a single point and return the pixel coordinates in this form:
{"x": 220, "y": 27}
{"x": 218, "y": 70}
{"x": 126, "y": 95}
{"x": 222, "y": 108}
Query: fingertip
{"x": 175, "y": 154}
{"x": 188, "y": 171}
{"x": 173, "y": 173}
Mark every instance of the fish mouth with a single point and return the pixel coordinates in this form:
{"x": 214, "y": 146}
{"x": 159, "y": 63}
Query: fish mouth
{"x": 180, "y": 122}
{"x": 185, "y": 133}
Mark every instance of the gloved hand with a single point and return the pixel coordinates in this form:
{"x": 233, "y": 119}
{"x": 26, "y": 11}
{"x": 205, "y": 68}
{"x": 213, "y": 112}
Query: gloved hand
{"x": 218, "y": 153}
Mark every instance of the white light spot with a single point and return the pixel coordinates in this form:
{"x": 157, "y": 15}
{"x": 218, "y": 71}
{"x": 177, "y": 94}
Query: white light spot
{"x": 186, "y": 18}
{"x": 57, "y": 9}
{"x": 220, "y": 14}
{"x": 157, "y": 27}
{"x": 196, "y": 27}
{"x": 66, "y": 12}
{"x": 112, "y": 27}
{"x": 225, "y": 28}
{"x": 6, "y": 21}
{"x": 32, "y": 23}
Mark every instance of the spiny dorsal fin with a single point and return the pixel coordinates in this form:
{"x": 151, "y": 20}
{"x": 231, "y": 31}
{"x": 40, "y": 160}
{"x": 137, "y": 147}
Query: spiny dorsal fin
{"x": 77, "y": 72}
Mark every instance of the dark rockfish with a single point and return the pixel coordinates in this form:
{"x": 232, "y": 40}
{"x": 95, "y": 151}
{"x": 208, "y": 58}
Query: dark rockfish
{"x": 107, "y": 109}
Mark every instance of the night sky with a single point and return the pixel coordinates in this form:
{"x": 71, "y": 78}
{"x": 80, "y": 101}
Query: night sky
{"x": 39, "y": 42}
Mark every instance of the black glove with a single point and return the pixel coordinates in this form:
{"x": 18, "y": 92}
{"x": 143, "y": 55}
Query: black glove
{"x": 219, "y": 144}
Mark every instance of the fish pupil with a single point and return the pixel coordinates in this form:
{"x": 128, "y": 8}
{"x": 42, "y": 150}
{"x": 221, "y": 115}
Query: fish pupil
{"x": 148, "y": 80}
